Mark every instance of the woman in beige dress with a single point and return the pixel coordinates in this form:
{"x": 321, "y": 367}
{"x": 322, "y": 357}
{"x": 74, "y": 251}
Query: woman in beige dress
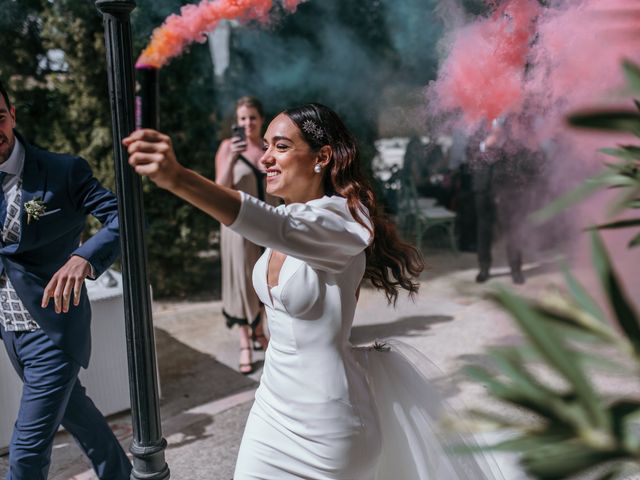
{"x": 237, "y": 167}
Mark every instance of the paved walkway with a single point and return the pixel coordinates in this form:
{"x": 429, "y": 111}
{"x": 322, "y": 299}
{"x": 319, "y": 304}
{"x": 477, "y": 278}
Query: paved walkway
{"x": 206, "y": 401}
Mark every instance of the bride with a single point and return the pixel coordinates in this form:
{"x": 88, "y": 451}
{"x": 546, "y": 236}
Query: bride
{"x": 323, "y": 410}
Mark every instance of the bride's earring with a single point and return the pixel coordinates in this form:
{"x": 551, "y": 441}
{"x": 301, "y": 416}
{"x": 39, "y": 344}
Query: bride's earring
{"x": 317, "y": 168}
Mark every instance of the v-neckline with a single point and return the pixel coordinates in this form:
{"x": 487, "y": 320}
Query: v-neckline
{"x": 279, "y": 271}
{"x": 266, "y": 275}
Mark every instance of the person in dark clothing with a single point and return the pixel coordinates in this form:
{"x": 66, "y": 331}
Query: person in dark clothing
{"x": 463, "y": 203}
{"x": 499, "y": 175}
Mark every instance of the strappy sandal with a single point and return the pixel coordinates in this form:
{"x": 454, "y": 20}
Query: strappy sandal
{"x": 259, "y": 341}
{"x": 245, "y": 368}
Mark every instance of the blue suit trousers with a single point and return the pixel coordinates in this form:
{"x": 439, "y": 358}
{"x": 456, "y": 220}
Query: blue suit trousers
{"x": 52, "y": 396}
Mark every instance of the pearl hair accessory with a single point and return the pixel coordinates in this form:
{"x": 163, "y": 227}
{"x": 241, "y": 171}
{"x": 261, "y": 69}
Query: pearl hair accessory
{"x": 317, "y": 168}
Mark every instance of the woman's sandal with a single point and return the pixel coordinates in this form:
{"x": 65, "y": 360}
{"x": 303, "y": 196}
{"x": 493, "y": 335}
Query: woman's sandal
{"x": 259, "y": 341}
{"x": 245, "y": 368}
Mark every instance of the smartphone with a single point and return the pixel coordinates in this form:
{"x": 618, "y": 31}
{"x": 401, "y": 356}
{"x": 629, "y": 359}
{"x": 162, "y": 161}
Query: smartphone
{"x": 238, "y": 131}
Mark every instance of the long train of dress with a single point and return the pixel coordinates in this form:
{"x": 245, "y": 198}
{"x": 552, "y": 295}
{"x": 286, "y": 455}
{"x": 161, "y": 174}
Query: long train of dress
{"x": 411, "y": 410}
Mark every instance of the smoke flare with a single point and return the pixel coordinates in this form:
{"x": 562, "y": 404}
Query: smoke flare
{"x": 195, "y": 21}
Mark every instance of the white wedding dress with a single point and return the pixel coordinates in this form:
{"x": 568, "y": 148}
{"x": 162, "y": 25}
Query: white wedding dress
{"x": 324, "y": 410}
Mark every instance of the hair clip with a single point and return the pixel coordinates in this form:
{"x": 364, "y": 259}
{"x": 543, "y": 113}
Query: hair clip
{"x": 310, "y": 127}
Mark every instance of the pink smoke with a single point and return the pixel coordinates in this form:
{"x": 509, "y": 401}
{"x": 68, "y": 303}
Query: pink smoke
{"x": 484, "y": 72}
{"x": 534, "y": 66}
{"x": 545, "y": 62}
{"x": 194, "y": 21}
{"x": 291, "y": 5}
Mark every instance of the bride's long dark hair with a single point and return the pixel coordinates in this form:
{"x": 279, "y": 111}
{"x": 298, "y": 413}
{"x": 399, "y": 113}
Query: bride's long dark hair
{"x": 391, "y": 263}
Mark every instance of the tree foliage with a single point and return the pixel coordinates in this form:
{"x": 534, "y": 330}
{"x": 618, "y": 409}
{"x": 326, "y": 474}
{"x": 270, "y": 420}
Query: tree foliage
{"x": 64, "y": 107}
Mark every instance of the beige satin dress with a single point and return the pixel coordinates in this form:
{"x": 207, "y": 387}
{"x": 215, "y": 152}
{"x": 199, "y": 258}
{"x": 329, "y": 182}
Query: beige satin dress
{"x": 240, "y": 303}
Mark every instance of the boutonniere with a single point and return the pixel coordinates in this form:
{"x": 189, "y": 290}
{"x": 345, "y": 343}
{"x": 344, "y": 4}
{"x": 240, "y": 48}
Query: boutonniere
{"x": 35, "y": 209}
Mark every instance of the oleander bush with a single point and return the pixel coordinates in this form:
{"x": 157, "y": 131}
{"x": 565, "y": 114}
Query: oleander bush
{"x": 572, "y": 426}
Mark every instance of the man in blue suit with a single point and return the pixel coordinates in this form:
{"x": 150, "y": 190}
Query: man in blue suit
{"x": 44, "y": 201}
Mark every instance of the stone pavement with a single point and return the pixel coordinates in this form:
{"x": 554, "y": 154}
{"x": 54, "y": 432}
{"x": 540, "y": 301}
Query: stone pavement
{"x": 205, "y": 400}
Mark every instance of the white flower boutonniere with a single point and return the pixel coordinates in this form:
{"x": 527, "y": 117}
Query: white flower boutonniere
{"x": 35, "y": 209}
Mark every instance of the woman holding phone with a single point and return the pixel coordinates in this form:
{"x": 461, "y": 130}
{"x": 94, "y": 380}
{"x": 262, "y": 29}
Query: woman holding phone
{"x": 237, "y": 166}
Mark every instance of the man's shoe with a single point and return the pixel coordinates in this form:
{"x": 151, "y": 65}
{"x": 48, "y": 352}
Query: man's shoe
{"x": 483, "y": 276}
{"x": 517, "y": 277}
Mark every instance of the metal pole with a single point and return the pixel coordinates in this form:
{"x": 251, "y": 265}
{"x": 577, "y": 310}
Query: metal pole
{"x": 148, "y": 445}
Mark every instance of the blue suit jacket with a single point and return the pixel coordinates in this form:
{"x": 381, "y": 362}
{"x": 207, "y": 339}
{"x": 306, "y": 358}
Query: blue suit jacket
{"x": 70, "y": 192}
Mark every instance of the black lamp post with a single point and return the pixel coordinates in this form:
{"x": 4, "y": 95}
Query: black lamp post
{"x": 148, "y": 445}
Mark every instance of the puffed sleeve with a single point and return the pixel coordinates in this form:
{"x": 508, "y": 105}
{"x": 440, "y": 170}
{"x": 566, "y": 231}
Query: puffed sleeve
{"x": 322, "y": 232}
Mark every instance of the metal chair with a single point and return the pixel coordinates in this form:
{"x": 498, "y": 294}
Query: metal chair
{"x": 417, "y": 215}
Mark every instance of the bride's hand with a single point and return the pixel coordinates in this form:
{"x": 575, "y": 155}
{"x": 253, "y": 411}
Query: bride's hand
{"x": 151, "y": 154}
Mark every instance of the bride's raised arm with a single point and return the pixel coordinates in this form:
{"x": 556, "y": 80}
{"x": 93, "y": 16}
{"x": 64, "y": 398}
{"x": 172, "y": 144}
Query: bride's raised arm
{"x": 151, "y": 154}
{"x": 321, "y": 232}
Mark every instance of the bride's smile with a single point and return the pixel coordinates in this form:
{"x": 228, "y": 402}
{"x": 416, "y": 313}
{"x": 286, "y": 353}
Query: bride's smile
{"x": 290, "y": 162}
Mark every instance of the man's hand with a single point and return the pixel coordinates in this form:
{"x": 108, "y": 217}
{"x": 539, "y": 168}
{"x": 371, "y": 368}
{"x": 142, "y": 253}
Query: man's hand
{"x": 70, "y": 277}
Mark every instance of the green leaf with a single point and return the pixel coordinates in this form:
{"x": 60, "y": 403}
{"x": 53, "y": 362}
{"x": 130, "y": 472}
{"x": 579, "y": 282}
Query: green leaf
{"x": 632, "y": 75}
{"x": 560, "y": 313}
{"x": 612, "y": 120}
{"x": 635, "y": 241}
{"x": 551, "y": 408}
{"x": 511, "y": 364}
{"x": 557, "y": 355}
{"x": 587, "y": 359}
{"x": 623, "y": 200}
{"x": 490, "y": 417}
{"x": 563, "y": 460}
{"x": 481, "y": 375}
{"x": 622, "y": 413}
{"x": 587, "y": 188}
{"x": 625, "y": 314}
{"x": 632, "y": 222}
{"x": 619, "y": 181}
{"x": 603, "y": 364}
{"x": 573, "y": 330}
{"x": 582, "y": 297}
{"x": 533, "y": 441}
{"x": 624, "y": 167}
{"x": 627, "y": 152}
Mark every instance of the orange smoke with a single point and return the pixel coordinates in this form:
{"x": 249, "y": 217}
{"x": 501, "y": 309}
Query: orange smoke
{"x": 194, "y": 21}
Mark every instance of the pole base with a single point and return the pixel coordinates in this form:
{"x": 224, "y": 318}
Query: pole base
{"x": 148, "y": 461}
